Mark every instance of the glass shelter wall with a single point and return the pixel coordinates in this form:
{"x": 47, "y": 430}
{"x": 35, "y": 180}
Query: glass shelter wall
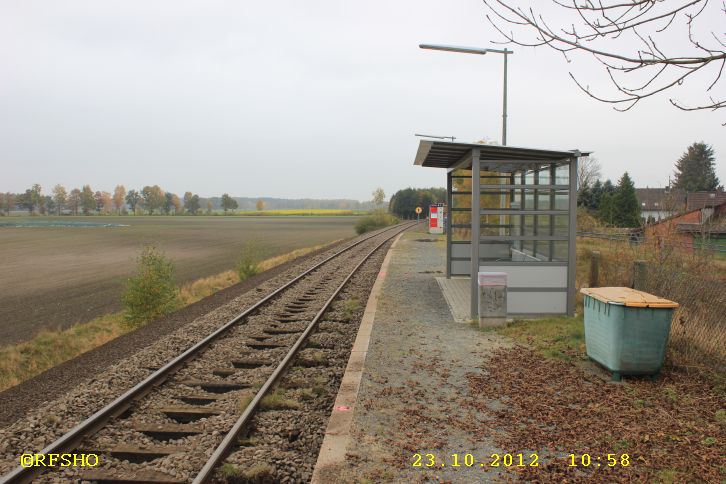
{"x": 524, "y": 216}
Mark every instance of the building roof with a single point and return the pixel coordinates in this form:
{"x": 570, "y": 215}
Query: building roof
{"x": 444, "y": 154}
{"x": 658, "y": 199}
{"x": 698, "y": 200}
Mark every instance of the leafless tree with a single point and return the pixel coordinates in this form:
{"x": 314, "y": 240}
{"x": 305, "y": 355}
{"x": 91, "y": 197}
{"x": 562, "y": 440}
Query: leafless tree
{"x": 588, "y": 171}
{"x": 629, "y": 38}
{"x": 378, "y": 197}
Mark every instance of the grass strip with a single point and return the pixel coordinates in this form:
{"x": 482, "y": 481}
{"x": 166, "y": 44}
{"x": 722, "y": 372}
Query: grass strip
{"x": 557, "y": 337}
{"x": 49, "y": 348}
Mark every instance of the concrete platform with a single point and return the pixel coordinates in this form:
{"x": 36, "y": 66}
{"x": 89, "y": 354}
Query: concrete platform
{"x": 457, "y": 293}
{"x": 407, "y": 393}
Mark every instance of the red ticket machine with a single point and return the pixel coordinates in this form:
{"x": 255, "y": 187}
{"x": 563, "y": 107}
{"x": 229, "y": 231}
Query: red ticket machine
{"x": 436, "y": 218}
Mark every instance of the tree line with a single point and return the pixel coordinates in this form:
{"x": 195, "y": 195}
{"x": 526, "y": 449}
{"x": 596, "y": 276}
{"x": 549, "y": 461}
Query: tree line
{"x": 403, "y": 203}
{"x": 151, "y": 199}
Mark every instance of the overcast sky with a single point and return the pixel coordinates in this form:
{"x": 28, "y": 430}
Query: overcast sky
{"x": 317, "y": 99}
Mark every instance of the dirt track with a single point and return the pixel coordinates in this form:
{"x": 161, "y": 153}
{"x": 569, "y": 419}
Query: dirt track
{"x": 57, "y": 276}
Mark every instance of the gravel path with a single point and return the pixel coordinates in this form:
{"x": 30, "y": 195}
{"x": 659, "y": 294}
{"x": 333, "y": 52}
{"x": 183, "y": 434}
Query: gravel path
{"x": 16, "y": 402}
{"x": 414, "y": 393}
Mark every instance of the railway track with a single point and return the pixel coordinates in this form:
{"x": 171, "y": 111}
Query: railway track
{"x": 182, "y": 421}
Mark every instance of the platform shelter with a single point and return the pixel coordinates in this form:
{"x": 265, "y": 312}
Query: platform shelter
{"x": 525, "y": 224}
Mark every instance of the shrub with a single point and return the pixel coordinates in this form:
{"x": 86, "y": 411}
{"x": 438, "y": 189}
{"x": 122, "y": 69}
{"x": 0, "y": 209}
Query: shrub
{"x": 278, "y": 401}
{"x": 349, "y": 308}
{"x": 248, "y": 262}
{"x": 377, "y": 220}
{"x": 152, "y": 292}
{"x": 587, "y": 222}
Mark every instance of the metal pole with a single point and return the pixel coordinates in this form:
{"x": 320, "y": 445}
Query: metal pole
{"x": 504, "y": 109}
{"x": 449, "y": 222}
{"x": 475, "y": 223}
{"x": 572, "y": 237}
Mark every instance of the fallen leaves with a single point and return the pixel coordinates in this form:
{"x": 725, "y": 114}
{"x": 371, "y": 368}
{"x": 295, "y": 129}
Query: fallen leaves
{"x": 666, "y": 427}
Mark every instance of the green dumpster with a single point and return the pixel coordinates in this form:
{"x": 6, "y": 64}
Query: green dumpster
{"x": 626, "y": 330}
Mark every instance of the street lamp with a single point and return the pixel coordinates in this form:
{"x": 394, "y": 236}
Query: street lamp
{"x": 480, "y": 51}
{"x": 452, "y": 138}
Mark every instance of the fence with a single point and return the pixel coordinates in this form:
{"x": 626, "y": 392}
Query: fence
{"x": 640, "y": 239}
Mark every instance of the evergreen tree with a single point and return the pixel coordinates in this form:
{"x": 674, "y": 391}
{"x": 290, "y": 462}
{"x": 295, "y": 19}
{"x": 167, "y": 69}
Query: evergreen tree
{"x": 606, "y": 208}
{"x": 603, "y": 201}
{"x": 695, "y": 169}
{"x": 584, "y": 196}
{"x": 608, "y": 187}
{"x": 626, "y": 211}
{"x": 596, "y": 191}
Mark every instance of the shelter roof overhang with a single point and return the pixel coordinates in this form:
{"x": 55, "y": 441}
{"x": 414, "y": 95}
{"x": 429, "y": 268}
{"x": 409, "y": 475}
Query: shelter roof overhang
{"x": 454, "y": 156}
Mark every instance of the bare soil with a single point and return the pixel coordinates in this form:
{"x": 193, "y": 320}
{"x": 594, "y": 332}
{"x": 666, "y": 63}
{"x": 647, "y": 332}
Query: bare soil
{"x": 54, "y": 277}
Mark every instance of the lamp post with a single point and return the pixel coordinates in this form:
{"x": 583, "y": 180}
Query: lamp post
{"x": 452, "y": 138}
{"x": 480, "y": 51}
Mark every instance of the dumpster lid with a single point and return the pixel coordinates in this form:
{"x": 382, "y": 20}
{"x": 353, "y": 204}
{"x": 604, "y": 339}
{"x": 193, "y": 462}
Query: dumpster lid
{"x": 625, "y": 296}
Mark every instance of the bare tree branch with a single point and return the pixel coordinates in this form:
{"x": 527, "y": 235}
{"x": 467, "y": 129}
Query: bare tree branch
{"x": 625, "y": 38}
{"x": 588, "y": 172}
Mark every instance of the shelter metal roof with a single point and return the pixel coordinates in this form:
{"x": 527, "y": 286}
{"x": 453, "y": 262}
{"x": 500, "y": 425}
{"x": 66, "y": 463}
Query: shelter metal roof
{"x": 444, "y": 154}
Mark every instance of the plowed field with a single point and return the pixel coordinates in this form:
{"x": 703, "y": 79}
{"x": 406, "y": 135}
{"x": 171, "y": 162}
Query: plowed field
{"x": 55, "y": 276}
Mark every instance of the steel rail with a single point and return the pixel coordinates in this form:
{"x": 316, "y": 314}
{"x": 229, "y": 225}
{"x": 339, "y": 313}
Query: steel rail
{"x": 223, "y": 448}
{"x": 95, "y": 422}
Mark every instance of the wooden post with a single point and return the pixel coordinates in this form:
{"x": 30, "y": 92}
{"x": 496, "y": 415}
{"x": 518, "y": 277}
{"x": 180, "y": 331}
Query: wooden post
{"x": 640, "y": 274}
{"x": 595, "y": 268}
